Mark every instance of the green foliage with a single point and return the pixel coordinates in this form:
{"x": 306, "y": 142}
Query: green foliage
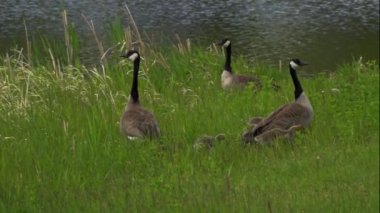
{"x": 60, "y": 146}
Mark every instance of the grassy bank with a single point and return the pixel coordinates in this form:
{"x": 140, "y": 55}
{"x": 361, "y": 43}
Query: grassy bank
{"x": 61, "y": 150}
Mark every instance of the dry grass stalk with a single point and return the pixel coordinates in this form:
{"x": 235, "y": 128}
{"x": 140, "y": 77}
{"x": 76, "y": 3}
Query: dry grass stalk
{"x": 90, "y": 24}
{"x": 69, "y": 48}
{"x": 180, "y": 46}
{"x": 28, "y": 45}
{"x": 183, "y": 48}
{"x": 56, "y": 66}
{"x": 136, "y": 30}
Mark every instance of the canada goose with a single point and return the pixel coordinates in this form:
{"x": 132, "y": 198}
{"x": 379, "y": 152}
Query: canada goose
{"x": 231, "y": 80}
{"x": 286, "y": 119}
{"x": 207, "y": 141}
{"x": 137, "y": 121}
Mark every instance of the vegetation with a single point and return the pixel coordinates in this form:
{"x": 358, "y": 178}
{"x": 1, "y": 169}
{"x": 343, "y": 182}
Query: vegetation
{"x": 61, "y": 150}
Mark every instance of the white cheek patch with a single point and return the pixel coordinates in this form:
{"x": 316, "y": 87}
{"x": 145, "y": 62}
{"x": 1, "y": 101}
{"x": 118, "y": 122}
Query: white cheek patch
{"x": 293, "y": 65}
{"x": 227, "y": 43}
{"x": 133, "y": 56}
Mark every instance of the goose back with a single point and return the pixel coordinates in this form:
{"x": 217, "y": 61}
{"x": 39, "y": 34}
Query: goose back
{"x": 139, "y": 122}
{"x": 230, "y": 80}
{"x": 284, "y": 121}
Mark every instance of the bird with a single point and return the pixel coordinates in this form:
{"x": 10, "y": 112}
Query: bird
{"x": 136, "y": 121}
{"x": 285, "y": 120}
{"x": 231, "y": 80}
{"x": 207, "y": 141}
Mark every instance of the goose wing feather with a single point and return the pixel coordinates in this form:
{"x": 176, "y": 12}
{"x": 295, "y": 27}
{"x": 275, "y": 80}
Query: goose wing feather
{"x": 257, "y": 122}
{"x": 254, "y": 121}
{"x": 244, "y": 79}
{"x": 140, "y": 122}
{"x": 284, "y": 118}
{"x": 276, "y": 132}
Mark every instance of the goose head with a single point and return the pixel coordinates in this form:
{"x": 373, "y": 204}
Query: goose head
{"x": 294, "y": 63}
{"x": 131, "y": 55}
{"x": 225, "y": 42}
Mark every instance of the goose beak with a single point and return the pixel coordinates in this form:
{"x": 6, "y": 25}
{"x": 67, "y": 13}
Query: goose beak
{"x": 303, "y": 64}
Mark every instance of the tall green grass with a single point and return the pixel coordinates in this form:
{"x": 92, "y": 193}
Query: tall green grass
{"x": 61, "y": 150}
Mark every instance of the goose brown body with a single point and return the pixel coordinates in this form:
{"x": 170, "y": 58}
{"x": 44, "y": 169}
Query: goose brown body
{"x": 230, "y": 80}
{"x": 284, "y": 121}
{"x": 137, "y": 121}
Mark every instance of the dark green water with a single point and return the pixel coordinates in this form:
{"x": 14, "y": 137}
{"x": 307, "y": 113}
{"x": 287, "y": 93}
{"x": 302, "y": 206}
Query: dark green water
{"x": 324, "y": 33}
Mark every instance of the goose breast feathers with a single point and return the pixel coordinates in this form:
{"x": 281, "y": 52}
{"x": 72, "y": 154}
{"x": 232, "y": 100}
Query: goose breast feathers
{"x": 139, "y": 122}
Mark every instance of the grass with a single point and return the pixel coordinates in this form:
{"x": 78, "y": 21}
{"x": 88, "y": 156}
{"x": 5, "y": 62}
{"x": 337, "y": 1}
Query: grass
{"x": 61, "y": 150}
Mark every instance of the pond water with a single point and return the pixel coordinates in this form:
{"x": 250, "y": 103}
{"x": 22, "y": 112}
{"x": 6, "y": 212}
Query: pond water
{"x": 324, "y": 33}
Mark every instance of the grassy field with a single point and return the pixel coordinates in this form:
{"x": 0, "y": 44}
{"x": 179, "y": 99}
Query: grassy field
{"x": 61, "y": 150}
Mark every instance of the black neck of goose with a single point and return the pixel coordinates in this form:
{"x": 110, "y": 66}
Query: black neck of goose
{"x": 134, "y": 90}
{"x": 227, "y": 65}
{"x": 297, "y": 85}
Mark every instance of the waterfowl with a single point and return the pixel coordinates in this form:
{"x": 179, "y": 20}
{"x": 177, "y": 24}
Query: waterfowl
{"x": 207, "y": 141}
{"x": 287, "y": 119}
{"x": 231, "y": 80}
{"x": 136, "y": 121}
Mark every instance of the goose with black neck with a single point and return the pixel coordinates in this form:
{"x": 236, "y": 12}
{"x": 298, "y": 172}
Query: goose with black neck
{"x": 231, "y": 80}
{"x": 287, "y": 119}
{"x": 136, "y": 121}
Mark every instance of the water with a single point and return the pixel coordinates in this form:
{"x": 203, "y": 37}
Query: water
{"x": 323, "y": 33}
